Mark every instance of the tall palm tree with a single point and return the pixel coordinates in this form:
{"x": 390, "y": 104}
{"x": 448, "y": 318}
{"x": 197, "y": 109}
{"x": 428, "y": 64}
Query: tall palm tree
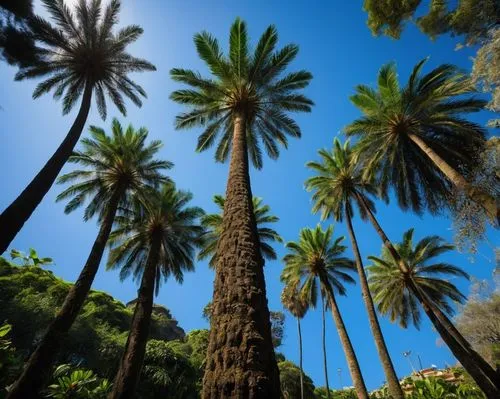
{"x": 317, "y": 262}
{"x": 338, "y": 180}
{"x": 297, "y": 306}
{"x": 154, "y": 238}
{"x": 416, "y": 138}
{"x": 245, "y": 102}
{"x": 80, "y": 56}
{"x": 116, "y": 166}
{"x": 213, "y": 225}
{"x": 401, "y": 294}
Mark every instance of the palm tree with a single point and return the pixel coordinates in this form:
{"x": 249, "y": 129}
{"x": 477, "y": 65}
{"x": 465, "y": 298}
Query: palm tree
{"x": 317, "y": 262}
{"x": 245, "y": 103}
{"x": 117, "y": 166}
{"x": 80, "y": 56}
{"x": 213, "y": 225}
{"x": 297, "y": 306}
{"x": 401, "y": 294}
{"x": 338, "y": 181}
{"x": 416, "y": 138}
{"x": 154, "y": 238}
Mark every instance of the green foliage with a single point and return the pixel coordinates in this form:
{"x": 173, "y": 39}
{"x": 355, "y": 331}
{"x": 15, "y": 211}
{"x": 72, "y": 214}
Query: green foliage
{"x": 277, "y": 327}
{"x": 10, "y": 363}
{"x": 243, "y": 84}
{"x": 290, "y": 381}
{"x": 77, "y": 384}
{"x": 30, "y": 259}
{"x": 388, "y": 16}
{"x": 436, "y": 388}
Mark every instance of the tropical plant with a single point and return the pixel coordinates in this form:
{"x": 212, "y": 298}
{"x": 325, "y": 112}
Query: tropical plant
{"x": 401, "y": 295}
{"x": 155, "y": 238}
{"x": 289, "y": 377}
{"x": 338, "y": 186}
{"x": 277, "y": 327}
{"x": 316, "y": 263}
{"x": 117, "y": 166}
{"x": 10, "y": 362}
{"x": 415, "y": 138}
{"x": 245, "y": 103}
{"x": 77, "y": 384}
{"x": 213, "y": 225}
{"x": 80, "y": 56}
{"x": 297, "y": 306}
{"x": 30, "y": 259}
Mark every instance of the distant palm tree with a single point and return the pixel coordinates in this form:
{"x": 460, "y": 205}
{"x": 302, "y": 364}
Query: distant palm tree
{"x": 156, "y": 237}
{"x": 315, "y": 262}
{"x": 416, "y": 138}
{"x": 81, "y": 56}
{"x": 338, "y": 182}
{"x": 213, "y": 225}
{"x": 243, "y": 107}
{"x": 297, "y": 306}
{"x": 401, "y": 294}
{"x": 117, "y": 166}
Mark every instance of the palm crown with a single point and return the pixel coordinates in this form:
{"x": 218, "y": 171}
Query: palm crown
{"x": 164, "y": 216}
{"x": 316, "y": 262}
{"x": 429, "y": 108}
{"x": 243, "y": 84}
{"x": 83, "y": 50}
{"x": 339, "y": 182}
{"x": 293, "y": 301}
{"x": 392, "y": 289}
{"x": 213, "y": 225}
{"x": 121, "y": 162}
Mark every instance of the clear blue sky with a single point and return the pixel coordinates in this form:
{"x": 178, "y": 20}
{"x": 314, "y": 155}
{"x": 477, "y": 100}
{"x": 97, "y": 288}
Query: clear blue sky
{"x": 337, "y": 47}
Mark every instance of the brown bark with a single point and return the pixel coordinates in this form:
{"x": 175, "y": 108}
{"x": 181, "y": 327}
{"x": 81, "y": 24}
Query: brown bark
{"x": 19, "y": 211}
{"x": 352, "y": 360}
{"x": 39, "y": 366}
{"x": 129, "y": 372}
{"x": 323, "y": 338}
{"x": 480, "y": 197}
{"x": 300, "y": 360}
{"x": 383, "y": 353}
{"x": 240, "y": 357}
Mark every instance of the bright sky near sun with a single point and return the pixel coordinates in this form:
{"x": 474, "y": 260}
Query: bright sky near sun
{"x": 337, "y": 47}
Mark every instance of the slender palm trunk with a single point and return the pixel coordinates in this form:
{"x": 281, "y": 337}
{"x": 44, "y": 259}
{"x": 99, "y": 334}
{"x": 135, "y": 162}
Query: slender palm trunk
{"x": 484, "y": 199}
{"x": 479, "y": 370}
{"x": 323, "y": 337}
{"x": 39, "y": 366}
{"x": 390, "y": 374}
{"x": 300, "y": 359}
{"x": 131, "y": 363}
{"x": 352, "y": 360}
{"x": 18, "y": 212}
{"x": 240, "y": 357}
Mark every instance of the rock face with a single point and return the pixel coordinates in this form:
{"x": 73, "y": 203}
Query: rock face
{"x": 164, "y": 326}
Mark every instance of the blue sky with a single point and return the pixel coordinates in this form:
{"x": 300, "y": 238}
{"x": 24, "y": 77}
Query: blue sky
{"x": 337, "y": 47}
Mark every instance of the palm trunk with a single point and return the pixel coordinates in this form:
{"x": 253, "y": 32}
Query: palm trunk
{"x": 323, "y": 337}
{"x": 390, "y": 374}
{"x": 39, "y": 366}
{"x": 18, "y": 212}
{"x": 352, "y": 360}
{"x": 240, "y": 357}
{"x": 300, "y": 360}
{"x": 480, "y": 197}
{"x": 131, "y": 363}
{"x": 462, "y": 355}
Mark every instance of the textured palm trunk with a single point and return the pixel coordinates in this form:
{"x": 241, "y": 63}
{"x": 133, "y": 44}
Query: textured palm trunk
{"x": 300, "y": 360}
{"x": 462, "y": 354}
{"x": 128, "y": 374}
{"x": 18, "y": 212}
{"x": 383, "y": 353}
{"x": 240, "y": 357}
{"x": 352, "y": 360}
{"x": 484, "y": 199}
{"x": 323, "y": 338}
{"x": 39, "y": 366}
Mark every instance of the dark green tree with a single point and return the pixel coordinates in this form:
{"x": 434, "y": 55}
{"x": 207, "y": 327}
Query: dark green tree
{"x": 155, "y": 239}
{"x": 117, "y": 166}
{"x": 80, "y": 56}
{"x": 290, "y": 375}
{"x": 242, "y": 107}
